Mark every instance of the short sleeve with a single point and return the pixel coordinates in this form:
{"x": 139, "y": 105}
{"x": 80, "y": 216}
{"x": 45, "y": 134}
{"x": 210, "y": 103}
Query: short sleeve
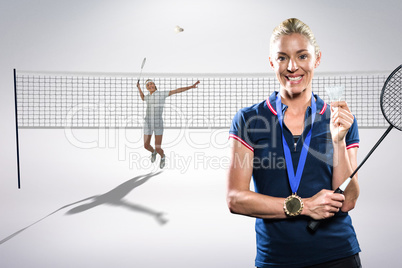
{"x": 238, "y": 129}
{"x": 352, "y": 137}
{"x": 165, "y": 94}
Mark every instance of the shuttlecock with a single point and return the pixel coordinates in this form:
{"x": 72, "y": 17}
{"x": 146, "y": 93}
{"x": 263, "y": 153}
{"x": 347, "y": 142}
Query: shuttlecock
{"x": 335, "y": 92}
{"x": 178, "y": 29}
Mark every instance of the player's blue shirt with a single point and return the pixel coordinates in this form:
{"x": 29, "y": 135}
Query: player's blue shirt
{"x": 287, "y": 242}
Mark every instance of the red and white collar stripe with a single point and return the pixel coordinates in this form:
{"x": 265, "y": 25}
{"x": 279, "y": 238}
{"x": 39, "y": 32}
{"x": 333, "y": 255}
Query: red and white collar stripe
{"x": 271, "y": 108}
{"x": 324, "y": 108}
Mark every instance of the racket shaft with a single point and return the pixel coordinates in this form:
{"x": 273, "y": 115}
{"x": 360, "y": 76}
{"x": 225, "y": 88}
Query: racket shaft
{"x": 313, "y": 224}
{"x": 373, "y": 149}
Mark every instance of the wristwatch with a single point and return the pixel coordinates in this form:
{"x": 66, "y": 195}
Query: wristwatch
{"x": 293, "y": 205}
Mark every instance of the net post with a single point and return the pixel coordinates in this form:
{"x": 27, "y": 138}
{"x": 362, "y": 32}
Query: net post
{"x": 16, "y": 128}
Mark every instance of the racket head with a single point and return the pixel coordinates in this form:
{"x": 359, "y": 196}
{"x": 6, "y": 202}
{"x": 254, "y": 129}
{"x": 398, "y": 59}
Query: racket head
{"x": 143, "y": 63}
{"x": 391, "y": 98}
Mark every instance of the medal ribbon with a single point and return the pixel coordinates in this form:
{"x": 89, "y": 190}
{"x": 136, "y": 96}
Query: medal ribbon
{"x": 294, "y": 179}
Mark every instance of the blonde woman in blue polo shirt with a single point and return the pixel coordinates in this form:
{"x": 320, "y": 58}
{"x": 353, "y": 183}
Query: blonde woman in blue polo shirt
{"x": 298, "y": 150}
{"x": 153, "y": 122}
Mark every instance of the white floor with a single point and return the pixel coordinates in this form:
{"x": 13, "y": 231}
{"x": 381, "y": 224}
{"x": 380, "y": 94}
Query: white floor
{"x": 139, "y": 216}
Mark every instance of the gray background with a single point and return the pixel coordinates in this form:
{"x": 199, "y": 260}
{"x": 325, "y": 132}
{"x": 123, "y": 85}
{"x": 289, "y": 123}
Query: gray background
{"x": 61, "y": 167}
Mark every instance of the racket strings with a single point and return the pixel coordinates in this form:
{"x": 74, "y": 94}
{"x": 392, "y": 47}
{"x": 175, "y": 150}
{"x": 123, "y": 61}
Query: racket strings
{"x": 392, "y": 100}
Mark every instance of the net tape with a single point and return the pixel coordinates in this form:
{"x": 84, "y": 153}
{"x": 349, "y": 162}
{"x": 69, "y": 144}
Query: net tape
{"x": 112, "y": 100}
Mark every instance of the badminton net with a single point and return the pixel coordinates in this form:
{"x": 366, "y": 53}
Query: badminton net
{"x": 65, "y": 100}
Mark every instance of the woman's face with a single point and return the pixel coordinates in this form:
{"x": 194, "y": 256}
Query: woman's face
{"x": 151, "y": 87}
{"x": 293, "y": 60}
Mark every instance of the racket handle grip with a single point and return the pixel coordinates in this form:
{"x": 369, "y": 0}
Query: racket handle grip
{"x": 312, "y": 225}
{"x": 338, "y": 191}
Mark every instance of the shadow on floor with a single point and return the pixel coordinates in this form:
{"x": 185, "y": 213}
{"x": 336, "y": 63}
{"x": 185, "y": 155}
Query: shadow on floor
{"x": 114, "y": 197}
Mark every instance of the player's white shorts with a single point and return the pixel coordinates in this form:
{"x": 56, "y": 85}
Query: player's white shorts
{"x": 153, "y": 127}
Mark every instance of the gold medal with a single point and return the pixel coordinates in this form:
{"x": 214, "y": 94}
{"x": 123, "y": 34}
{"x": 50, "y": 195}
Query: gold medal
{"x": 293, "y": 205}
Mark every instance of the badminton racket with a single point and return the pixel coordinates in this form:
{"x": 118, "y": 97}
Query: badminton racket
{"x": 142, "y": 67}
{"x": 391, "y": 108}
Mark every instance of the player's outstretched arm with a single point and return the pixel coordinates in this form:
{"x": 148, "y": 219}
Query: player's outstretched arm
{"x": 140, "y": 91}
{"x": 182, "y": 89}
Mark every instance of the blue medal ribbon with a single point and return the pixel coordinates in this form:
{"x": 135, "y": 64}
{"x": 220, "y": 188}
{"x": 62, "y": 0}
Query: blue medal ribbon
{"x": 294, "y": 179}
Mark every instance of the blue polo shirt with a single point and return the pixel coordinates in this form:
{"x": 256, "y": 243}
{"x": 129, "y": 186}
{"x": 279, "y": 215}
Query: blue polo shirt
{"x": 287, "y": 242}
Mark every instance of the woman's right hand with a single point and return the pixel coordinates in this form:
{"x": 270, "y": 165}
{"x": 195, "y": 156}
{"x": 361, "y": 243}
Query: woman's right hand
{"x": 323, "y": 205}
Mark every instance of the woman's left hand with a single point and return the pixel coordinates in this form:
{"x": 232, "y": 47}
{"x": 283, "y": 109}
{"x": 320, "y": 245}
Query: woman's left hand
{"x": 341, "y": 120}
{"x": 195, "y": 85}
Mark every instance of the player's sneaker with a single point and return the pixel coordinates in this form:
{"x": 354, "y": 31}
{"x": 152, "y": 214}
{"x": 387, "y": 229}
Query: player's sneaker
{"x": 162, "y": 165}
{"x": 153, "y": 156}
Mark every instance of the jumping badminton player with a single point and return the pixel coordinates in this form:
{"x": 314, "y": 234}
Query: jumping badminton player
{"x": 298, "y": 151}
{"x": 153, "y": 122}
